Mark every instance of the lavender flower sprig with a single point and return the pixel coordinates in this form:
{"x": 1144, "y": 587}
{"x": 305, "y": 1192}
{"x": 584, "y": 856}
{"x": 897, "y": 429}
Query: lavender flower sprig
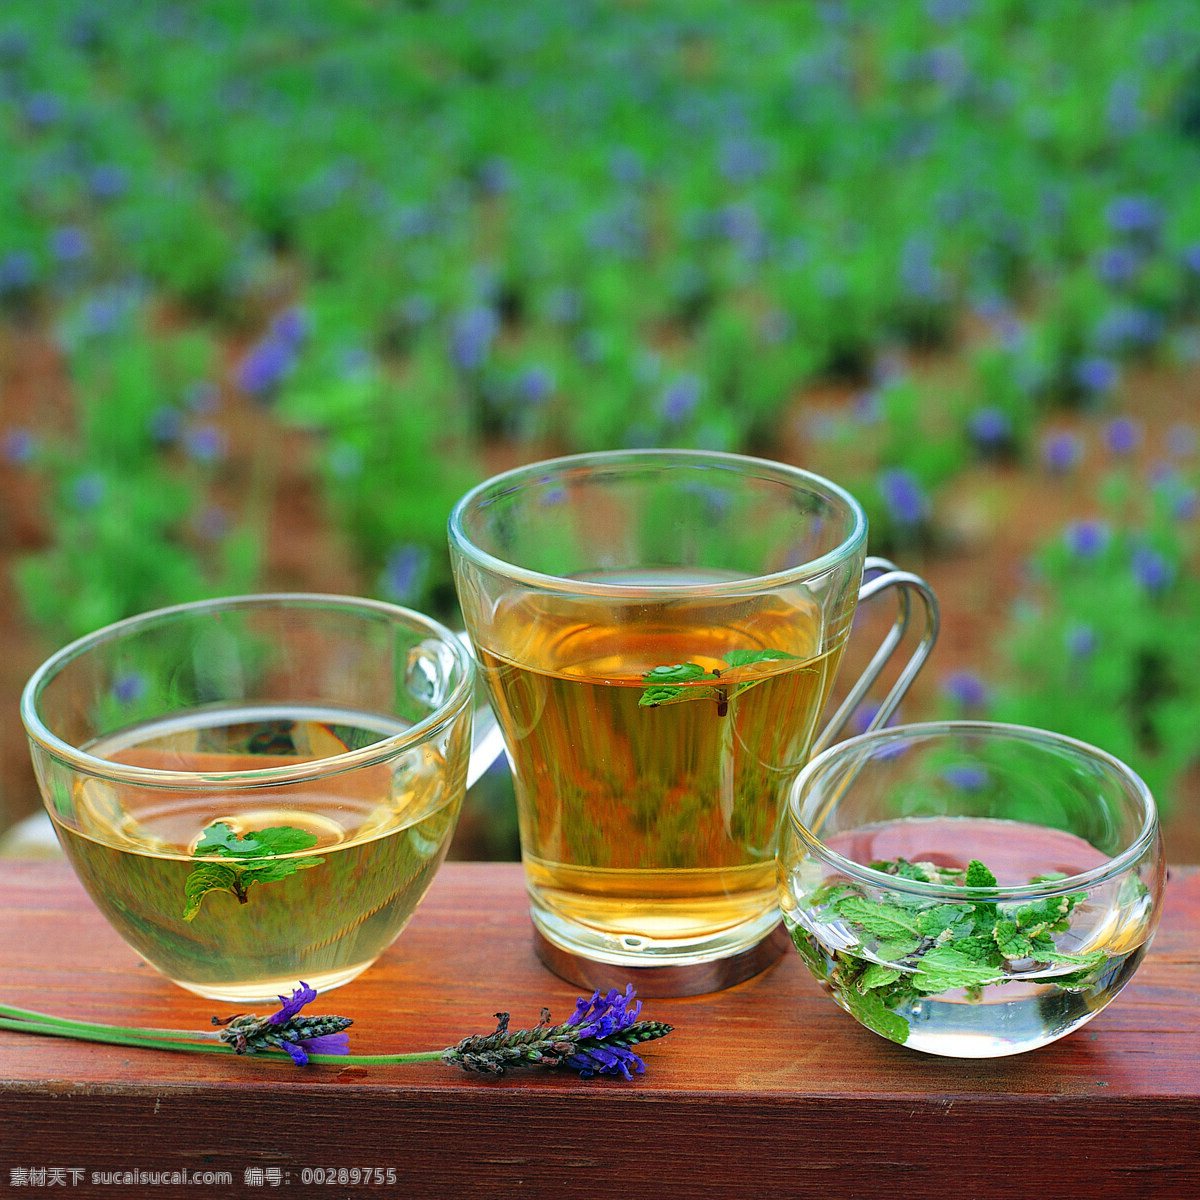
{"x": 598, "y": 1039}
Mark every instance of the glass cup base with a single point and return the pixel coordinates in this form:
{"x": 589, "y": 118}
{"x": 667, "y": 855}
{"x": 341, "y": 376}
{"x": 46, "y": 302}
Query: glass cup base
{"x": 264, "y": 991}
{"x": 664, "y": 979}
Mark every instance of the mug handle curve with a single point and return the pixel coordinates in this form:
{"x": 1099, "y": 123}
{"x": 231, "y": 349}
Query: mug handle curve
{"x": 907, "y": 586}
{"x": 487, "y": 740}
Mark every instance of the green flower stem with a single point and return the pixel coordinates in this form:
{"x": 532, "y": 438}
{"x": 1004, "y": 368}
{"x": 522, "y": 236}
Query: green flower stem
{"x": 112, "y": 1035}
{"x": 29, "y": 1014}
{"x": 367, "y": 1060}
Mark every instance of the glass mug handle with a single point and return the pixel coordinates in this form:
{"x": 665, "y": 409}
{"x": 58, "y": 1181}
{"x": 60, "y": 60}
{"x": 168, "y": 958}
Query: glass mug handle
{"x": 907, "y": 587}
{"x": 487, "y": 742}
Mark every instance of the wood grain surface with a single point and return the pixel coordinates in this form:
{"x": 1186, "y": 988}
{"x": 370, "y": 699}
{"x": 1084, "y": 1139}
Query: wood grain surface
{"x": 764, "y": 1090}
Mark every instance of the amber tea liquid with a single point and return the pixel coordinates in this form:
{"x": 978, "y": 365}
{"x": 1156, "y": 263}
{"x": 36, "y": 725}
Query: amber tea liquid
{"x": 376, "y": 835}
{"x": 652, "y": 830}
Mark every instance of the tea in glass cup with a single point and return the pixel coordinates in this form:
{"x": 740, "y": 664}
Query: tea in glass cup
{"x": 659, "y": 632}
{"x": 256, "y": 790}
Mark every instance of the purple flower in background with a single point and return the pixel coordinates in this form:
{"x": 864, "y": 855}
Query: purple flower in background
{"x": 989, "y": 428}
{"x": 679, "y": 400}
{"x": 1080, "y": 641}
{"x": 1061, "y": 452}
{"x": 88, "y": 490}
{"x": 1097, "y": 375}
{"x": 471, "y": 336}
{"x": 1151, "y": 569}
{"x": 290, "y": 327}
{"x": 165, "y": 425}
{"x": 1123, "y": 111}
{"x": 535, "y": 384}
{"x": 946, "y": 12}
{"x": 18, "y": 447}
{"x": 201, "y": 397}
{"x": 1134, "y": 216}
{"x": 18, "y": 269}
{"x": 108, "y": 181}
{"x": 742, "y": 159}
{"x": 43, "y": 108}
{"x": 920, "y": 277}
{"x": 129, "y": 687}
{"x": 1191, "y": 257}
{"x": 1185, "y": 503}
{"x": 1122, "y": 436}
{"x": 626, "y": 166}
{"x": 1128, "y": 328}
{"x": 969, "y": 777}
{"x": 205, "y": 444}
{"x": 213, "y": 523}
{"x": 494, "y": 176}
{"x": 903, "y": 495}
{"x": 1117, "y": 265}
{"x": 1086, "y": 539}
{"x": 564, "y": 305}
{"x": 966, "y": 689}
{"x": 69, "y": 244}
{"x": 404, "y": 572}
{"x": 264, "y": 366}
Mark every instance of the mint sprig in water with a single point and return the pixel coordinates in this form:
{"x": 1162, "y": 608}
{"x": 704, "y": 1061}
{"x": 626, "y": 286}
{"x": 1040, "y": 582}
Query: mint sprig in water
{"x": 255, "y": 857}
{"x": 909, "y": 948}
{"x": 671, "y": 684}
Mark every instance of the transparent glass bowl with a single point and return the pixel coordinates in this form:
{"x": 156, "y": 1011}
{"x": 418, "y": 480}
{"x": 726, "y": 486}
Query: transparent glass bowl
{"x": 970, "y": 889}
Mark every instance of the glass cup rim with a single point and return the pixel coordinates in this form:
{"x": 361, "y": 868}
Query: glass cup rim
{"x": 321, "y": 768}
{"x": 1113, "y": 868}
{"x": 509, "y": 481}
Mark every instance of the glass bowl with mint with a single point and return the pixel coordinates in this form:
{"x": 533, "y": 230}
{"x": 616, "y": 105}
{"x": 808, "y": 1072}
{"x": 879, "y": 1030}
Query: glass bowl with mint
{"x": 968, "y": 888}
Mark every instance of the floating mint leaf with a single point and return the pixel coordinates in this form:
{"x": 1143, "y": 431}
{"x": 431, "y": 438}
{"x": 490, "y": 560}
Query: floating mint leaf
{"x": 258, "y": 856}
{"x": 202, "y": 879}
{"x": 878, "y": 919}
{"x": 743, "y": 658}
{"x": 679, "y": 673}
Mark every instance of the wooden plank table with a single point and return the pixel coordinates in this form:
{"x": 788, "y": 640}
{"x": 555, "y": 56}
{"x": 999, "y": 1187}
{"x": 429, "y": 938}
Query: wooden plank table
{"x": 765, "y": 1090}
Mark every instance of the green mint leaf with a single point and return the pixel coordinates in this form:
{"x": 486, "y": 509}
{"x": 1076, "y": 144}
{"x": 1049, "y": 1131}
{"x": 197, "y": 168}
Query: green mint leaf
{"x": 258, "y": 856}
{"x": 220, "y": 839}
{"x": 978, "y": 875}
{"x": 877, "y": 975}
{"x": 652, "y": 697}
{"x": 743, "y": 658}
{"x": 679, "y": 673}
{"x": 869, "y": 1009}
{"x": 945, "y": 969}
{"x": 881, "y": 921}
{"x": 202, "y": 879}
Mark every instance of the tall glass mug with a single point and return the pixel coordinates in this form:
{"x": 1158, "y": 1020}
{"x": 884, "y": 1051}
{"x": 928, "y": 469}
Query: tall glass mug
{"x": 659, "y": 632}
{"x": 257, "y": 790}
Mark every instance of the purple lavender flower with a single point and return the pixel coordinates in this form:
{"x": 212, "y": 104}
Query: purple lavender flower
{"x": 989, "y": 428}
{"x": 69, "y": 244}
{"x": 298, "y": 1036}
{"x": 1128, "y": 328}
{"x": 1061, "y": 452}
{"x": 108, "y": 181}
{"x": 471, "y": 336}
{"x": 205, "y": 444}
{"x": 404, "y": 572}
{"x": 18, "y": 447}
{"x": 969, "y": 777}
{"x": 88, "y": 491}
{"x": 43, "y": 108}
{"x": 1152, "y": 570}
{"x": 263, "y": 368}
{"x": 1086, "y": 539}
{"x": 290, "y": 328}
{"x": 903, "y": 496}
{"x": 1080, "y": 641}
{"x": 679, "y": 400}
{"x": 1097, "y": 375}
{"x": 1117, "y": 265}
{"x": 966, "y": 689}
{"x": 1134, "y": 215}
{"x": 129, "y": 687}
{"x": 598, "y": 1039}
{"x": 1122, "y": 436}
{"x": 535, "y": 384}
{"x": 18, "y": 270}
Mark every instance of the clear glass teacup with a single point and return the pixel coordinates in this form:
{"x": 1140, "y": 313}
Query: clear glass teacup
{"x": 968, "y": 888}
{"x": 256, "y": 790}
{"x": 659, "y": 632}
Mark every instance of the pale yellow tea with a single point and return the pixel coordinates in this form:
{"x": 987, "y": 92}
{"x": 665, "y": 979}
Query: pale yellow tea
{"x": 238, "y": 894}
{"x": 648, "y": 814}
